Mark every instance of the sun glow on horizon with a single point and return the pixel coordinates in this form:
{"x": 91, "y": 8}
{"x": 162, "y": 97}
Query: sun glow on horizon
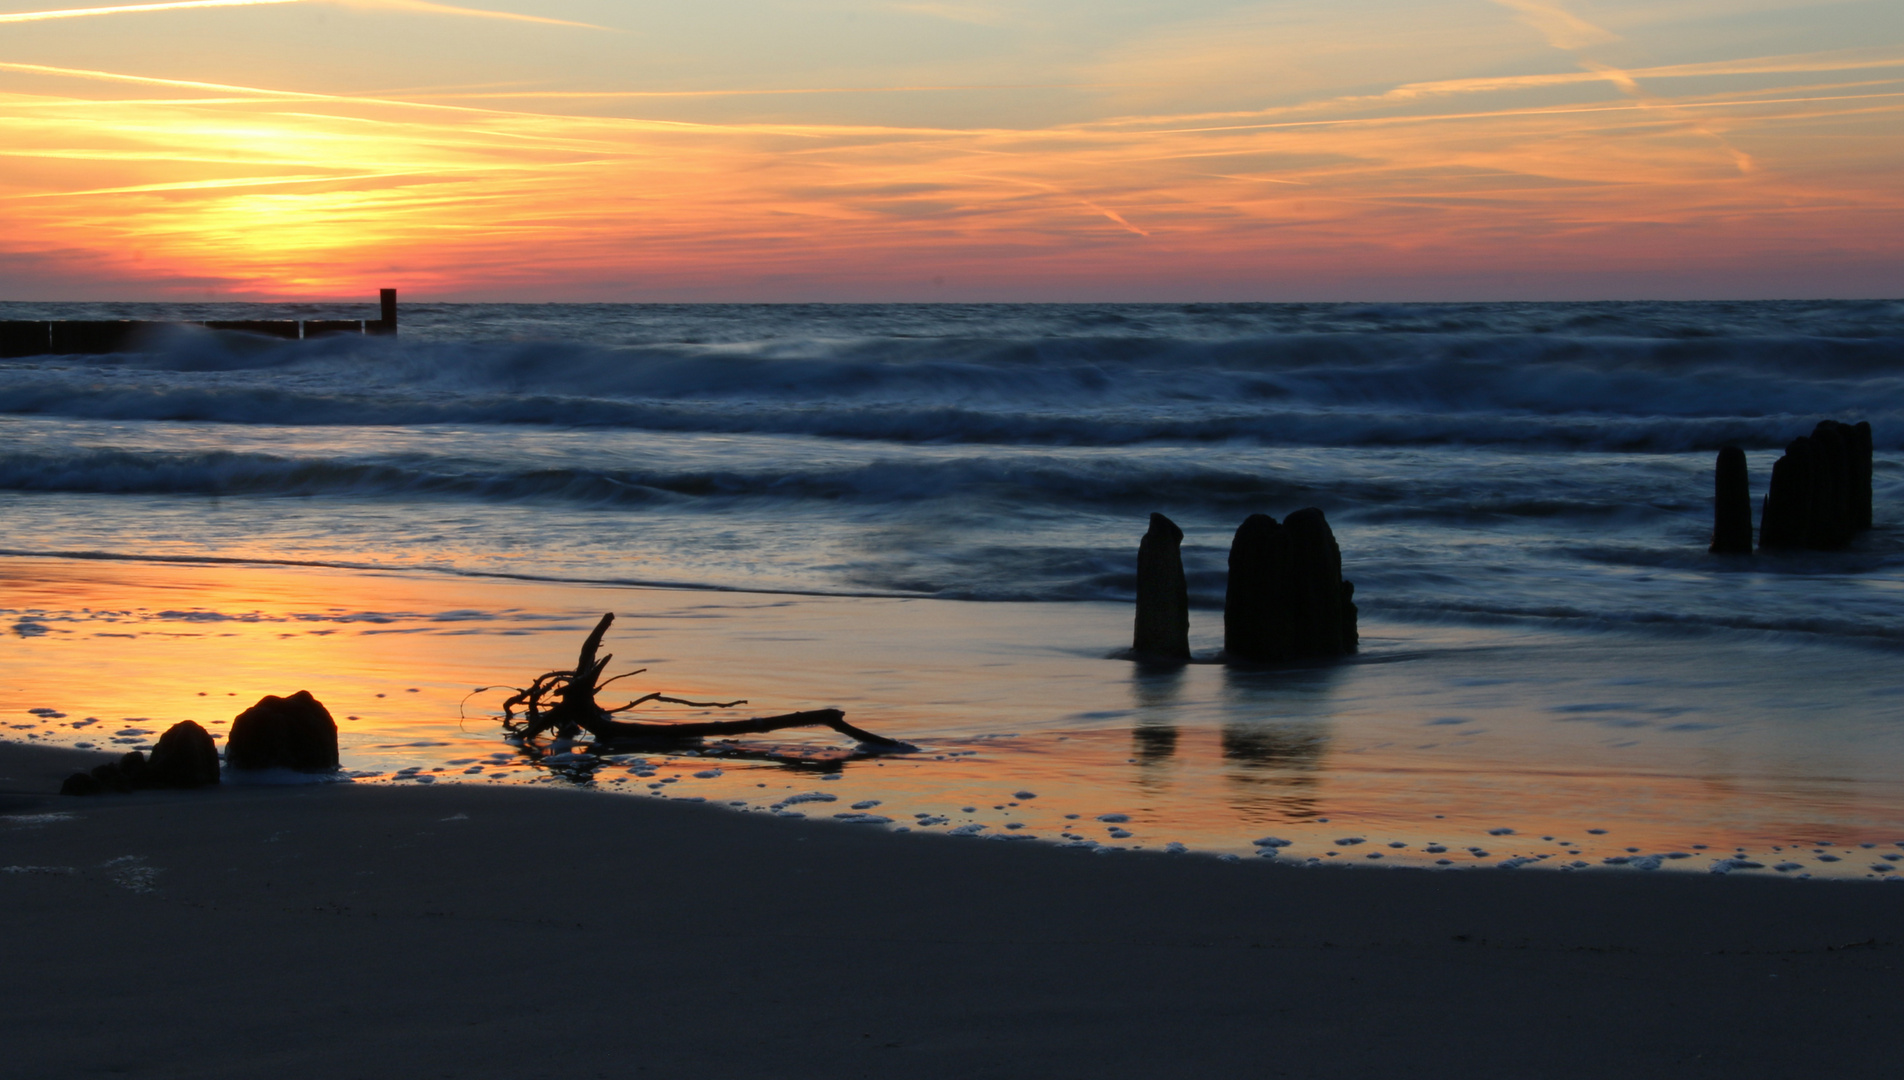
{"x": 1575, "y": 171}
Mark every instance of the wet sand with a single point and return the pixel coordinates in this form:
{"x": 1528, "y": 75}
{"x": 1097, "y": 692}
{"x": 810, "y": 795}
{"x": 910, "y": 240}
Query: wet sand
{"x": 366, "y": 930}
{"x": 1469, "y": 745}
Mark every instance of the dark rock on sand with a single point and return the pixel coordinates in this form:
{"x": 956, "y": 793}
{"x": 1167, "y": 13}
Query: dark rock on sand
{"x": 1286, "y": 598}
{"x": 1731, "y": 505}
{"x": 129, "y": 773}
{"x": 82, "y": 784}
{"x": 294, "y": 732}
{"x": 1163, "y": 597}
{"x": 185, "y": 757}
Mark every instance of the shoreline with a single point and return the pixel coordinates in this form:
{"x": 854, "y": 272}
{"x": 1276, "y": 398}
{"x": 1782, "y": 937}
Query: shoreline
{"x": 373, "y": 930}
{"x": 1447, "y": 746}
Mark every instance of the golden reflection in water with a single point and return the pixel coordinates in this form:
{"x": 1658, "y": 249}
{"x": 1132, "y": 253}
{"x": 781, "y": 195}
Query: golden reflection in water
{"x": 1002, "y": 698}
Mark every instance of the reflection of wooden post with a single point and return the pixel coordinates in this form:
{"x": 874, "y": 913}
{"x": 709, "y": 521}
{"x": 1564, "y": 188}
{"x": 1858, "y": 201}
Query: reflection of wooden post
{"x": 388, "y": 297}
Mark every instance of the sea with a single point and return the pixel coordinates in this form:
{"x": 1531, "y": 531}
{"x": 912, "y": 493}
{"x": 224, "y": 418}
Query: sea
{"x": 929, "y": 514}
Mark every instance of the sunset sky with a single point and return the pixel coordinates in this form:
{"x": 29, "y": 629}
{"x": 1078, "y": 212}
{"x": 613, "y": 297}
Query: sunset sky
{"x": 631, "y": 150}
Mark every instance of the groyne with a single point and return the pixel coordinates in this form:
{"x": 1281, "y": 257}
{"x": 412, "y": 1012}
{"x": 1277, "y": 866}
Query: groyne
{"x": 66, "y": 337}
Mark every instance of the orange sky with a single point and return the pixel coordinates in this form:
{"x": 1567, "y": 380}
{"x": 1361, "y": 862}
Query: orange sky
{"x": 1041, "y": 149}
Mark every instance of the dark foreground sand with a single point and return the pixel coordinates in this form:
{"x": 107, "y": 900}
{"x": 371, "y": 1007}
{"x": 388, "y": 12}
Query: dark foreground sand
{"x": 344, "y": 932}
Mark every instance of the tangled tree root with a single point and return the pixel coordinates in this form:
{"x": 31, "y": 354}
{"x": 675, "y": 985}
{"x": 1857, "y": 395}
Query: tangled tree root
{"x": 564, "y": 702}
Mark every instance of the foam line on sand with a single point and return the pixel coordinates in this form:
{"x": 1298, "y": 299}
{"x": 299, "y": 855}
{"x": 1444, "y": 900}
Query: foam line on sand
{"x": 361, "y": 930}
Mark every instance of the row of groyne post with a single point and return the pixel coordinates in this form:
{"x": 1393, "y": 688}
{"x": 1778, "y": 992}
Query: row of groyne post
{"x": 1285, "y": 599}
{"x": 1819, "y": 498}
{"x": 69, "y": 337}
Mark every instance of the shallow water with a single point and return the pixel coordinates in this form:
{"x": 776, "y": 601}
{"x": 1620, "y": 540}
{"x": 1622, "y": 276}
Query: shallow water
{"x": 1521, "y": 492}
{"x": 1583, "y": 744}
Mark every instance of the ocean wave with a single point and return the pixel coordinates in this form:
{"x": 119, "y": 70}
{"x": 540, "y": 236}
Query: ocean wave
{"x": 1014, "y": 482}
{"x": 1789, "y": 624}
{"x": 644, "y": 324}
{"x": 1624, "y": 377}
{"x": 1767, "y": 424}
{"x": 1012, "y": 366}
{"x": 1384, "y": 480}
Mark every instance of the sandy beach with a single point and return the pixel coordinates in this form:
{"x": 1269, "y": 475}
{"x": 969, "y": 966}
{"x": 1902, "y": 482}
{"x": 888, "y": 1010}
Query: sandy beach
{"x": 363, "y": 930}
{"x": 1587, "y": 800}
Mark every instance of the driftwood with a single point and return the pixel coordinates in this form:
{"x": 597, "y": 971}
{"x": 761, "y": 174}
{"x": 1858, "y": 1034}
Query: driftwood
{"x": 564, "y": 702}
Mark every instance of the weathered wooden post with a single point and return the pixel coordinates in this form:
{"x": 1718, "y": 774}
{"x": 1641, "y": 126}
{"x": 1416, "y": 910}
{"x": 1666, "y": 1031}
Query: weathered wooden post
{"x": 1321, "y": 605}
{"x": 388, "y": 324}
{"x": 1731, "y": 505}
{"x": 1785, "y": 522}
{"x": 1163, "y": 596}
{"x": 1830, "y": 488}
{"x": 24, "y": 339}
{"x": 1286, "y": 598}
{"x": 1858, "y": 446}
{"x": 1251, "y": 630}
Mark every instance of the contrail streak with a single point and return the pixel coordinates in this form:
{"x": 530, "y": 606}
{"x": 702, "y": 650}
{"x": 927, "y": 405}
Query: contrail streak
{"x": 422, "y": 6}
{"x": 126, "y": 9}
{"x": 428, "y": 8}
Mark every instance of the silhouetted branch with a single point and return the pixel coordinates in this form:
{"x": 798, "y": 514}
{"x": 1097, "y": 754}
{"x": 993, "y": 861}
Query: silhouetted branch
{"x": 564, "y": 702}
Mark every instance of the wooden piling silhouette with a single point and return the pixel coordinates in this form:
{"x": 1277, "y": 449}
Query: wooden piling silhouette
{"x": 70, "y": 337}
{"x": 1731, "y": 505}
{"x": 1858, "y": 445}
{"x": 387, "y": 302}
{"x": 1286, "y": 599}
{"x": 1162, "y": 630}
{"x": 1820, "y": 495}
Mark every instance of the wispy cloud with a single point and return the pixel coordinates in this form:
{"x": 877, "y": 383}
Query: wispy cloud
{"x": 1856, "y": 60}
{"x": 420, "y": 6}
{"x": 1562, "y": 28}
{"x": 307, "y": 193}
{"x": 616, "y": 95}
{"x": 132, "y": 9}
{"x": 1565, "y": 30}
{"x": 427, "y": 8}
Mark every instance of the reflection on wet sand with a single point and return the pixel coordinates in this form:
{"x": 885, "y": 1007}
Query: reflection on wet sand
{"x": 1275, "y": 739}
{"x": 1271, "y": 743}
{"x": 1451, "y": 755}
{"x": 1153, "y": 743}
{"x": 1254, "y": 749}
{"x": 1274, "y": 769}
{"x": 580, "y": 762}
{"x": 1156, "y": 692}
{"x": 1156, "y": 686}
